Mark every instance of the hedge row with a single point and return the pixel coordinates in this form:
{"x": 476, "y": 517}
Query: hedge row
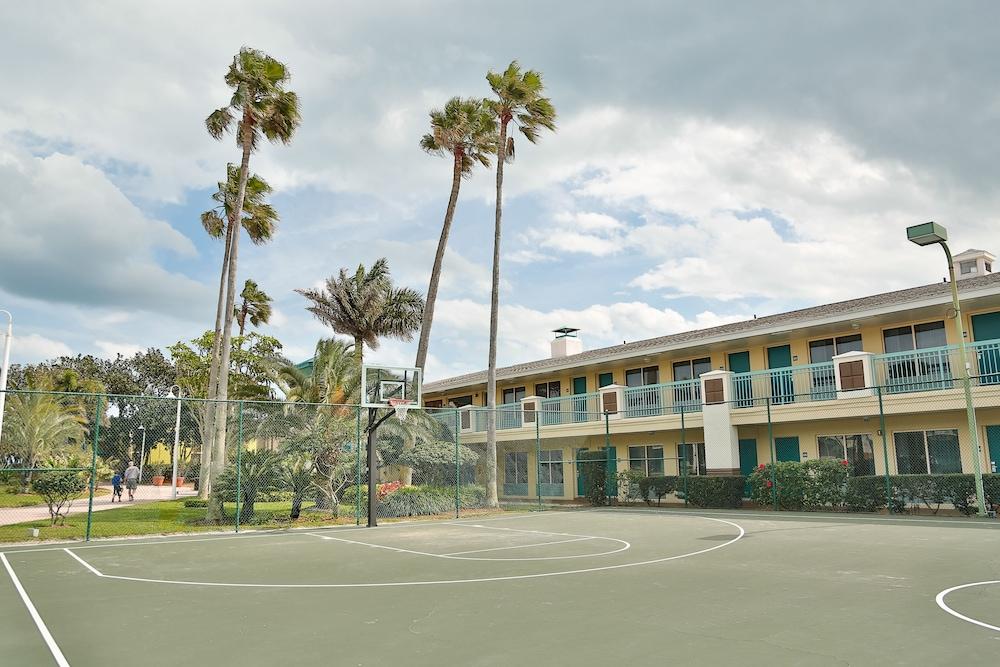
{"x": 420, "y": 500}
{"x": 708, "y": 492}
{"x": 825, "y": 484}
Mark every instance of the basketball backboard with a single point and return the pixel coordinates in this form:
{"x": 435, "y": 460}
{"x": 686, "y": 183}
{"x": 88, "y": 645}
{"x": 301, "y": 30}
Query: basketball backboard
{"x": 380, "y": 384}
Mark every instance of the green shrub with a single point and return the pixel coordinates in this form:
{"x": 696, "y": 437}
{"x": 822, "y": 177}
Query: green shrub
{"x": 715, "y": 491}
{"x": 593, "y": 468}
{"x": 59, "y": 489}
{"x": 790, "y": 479}
{"x": 824, "y": 483}
{"x": 629, "y": 486}
{"x": 657, "y": 486}
{"x": 865, "y": 494}
{"x": 195, "y": 502}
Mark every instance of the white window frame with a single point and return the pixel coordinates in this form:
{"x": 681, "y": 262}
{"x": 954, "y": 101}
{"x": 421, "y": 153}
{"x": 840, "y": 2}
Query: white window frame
{"x": 646, "y": 459}
{"x": 927, "y": 453}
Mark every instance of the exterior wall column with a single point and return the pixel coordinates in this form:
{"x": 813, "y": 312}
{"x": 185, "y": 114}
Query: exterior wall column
{"x": 612, "y": 400}
{"x": 530, "y": 408}
{"x": 853, "y": 373}
{"x": 722, "y": 444}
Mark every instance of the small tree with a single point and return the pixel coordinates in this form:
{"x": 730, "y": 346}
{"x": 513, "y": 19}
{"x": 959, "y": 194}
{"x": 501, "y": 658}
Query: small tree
{"x": 434, "y": 461}
{"x": 327, "y": 440}
{"x": 298, "y": 478}
{"x": 59, "y": 489}
{"x": 259, "y": 473}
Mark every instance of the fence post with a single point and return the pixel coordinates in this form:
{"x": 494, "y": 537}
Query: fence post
{"x": 458, "y": 464}
{"x": 93, "y": 467}
{"x": 885, "y": 451}
{"x": 608, "y": 481}
{"x": 357, "y": 476}
{"x": 684, "y": 470}
{"x": 774, "y": 465}
{"x": 538, "y": 459}
{"x": 239, "y": 461}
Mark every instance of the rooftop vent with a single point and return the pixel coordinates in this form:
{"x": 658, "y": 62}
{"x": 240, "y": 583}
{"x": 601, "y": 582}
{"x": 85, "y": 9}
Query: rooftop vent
{"x": 973, "y": 263}
{"x": 566, "y": 342}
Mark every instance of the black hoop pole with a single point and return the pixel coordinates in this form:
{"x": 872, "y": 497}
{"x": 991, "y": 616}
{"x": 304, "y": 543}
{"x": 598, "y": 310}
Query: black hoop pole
{"x": 372, "y": 487}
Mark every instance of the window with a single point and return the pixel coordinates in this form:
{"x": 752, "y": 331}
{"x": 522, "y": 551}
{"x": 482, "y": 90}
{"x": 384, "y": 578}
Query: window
{"x": 923, "y": 452}
{"x": 434, "y": 404}
{"x": 968, "y": 267}
{"x": 989, "y": 268}
{"x": 919, "y": 337}
{"x": 920, "y": 371}
{"x": 515, "y": 473}
{"x": 604, "y": 379}
{"x": 691, "y": 369}
{"x": 550, "y": 469}
{"x": 640, "y": 377}
{"x": 821, "y": 351}
{"x": 646, "y": 460}
{"x": 855, "y": 448}
{"x": 691, "y": 455}
{"x": 548, "y": 389}
{"x": 513, "y": 395}
{"x": 461, "y": 401}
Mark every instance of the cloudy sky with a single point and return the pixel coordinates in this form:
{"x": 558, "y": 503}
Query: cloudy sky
{"x": 713, "y": 160}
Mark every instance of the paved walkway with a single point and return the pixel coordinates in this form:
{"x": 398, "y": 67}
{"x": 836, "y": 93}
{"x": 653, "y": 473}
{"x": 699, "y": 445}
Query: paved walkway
{"x": 144, "y": 494}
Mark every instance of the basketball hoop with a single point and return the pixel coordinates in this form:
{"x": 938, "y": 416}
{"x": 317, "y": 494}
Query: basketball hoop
{"x": 400, "y": 405}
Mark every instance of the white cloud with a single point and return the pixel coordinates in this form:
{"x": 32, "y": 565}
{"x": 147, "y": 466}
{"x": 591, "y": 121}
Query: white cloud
{"x": 35, "y": 347}
{"x": 111, "y": 349}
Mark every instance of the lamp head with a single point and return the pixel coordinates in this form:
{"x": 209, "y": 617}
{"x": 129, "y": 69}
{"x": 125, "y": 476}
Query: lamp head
{"x": 175, "y": 392}
{"x": 928, "y": 233}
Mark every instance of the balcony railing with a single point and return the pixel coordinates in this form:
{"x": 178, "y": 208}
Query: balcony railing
{"x": 654, "y": 400}
{"x": 574, "y": 409}
{"x": 792, "y": 384}
{"x": 937, "y": 368}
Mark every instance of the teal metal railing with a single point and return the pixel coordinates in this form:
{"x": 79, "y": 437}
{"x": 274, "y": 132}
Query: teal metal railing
{"x": 792, "y": 384}
{"x": 668, "y": 398}
{"x": 574, "y": 409}
{"x": 937, "y": 368}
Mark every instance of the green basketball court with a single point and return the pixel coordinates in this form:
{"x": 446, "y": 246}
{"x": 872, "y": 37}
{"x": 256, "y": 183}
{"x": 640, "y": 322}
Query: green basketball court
{"x": 561, "y": 587}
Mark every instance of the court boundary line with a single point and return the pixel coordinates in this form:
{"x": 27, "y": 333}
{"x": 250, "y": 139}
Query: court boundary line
{"x": 626, "y": 546}
{"x": 395, "y": 584}
{"x": 519, "y": 546}
{"x": 834, "y": 517}
{"x": 939, "y": 599}
{"x": 50, "y": 641}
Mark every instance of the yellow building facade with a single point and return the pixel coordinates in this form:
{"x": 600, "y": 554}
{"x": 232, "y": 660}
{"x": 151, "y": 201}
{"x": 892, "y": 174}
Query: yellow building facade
{"x": 875, "y": 381}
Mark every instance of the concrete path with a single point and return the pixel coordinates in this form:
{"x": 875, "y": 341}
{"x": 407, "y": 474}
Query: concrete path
{"x": 144, "y": 494}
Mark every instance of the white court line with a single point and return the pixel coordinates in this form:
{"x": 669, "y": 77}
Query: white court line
{"x": 834, "y": 518}
{"x": 375, "y": 546}
{"x": 35, "y": 616}
{"x": 519, "y": 546}
{"x": 394, "y": 584}
{"x": 941, "y": 603}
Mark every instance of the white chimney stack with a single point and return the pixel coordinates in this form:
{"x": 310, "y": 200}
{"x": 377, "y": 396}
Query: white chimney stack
{"x": 566, "y": 342}
{"x": 973, "y": 263}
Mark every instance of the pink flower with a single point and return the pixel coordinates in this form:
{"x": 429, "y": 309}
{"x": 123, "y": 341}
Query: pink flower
{"x": 760, "y": 467}
{"x": 769, "y": 484}
{"x": 844, "y": 462}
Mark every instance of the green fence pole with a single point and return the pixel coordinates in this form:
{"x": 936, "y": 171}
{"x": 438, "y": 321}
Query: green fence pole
{"x": 774, "y": 467}
{"x": 357, "y": 477}
{"x": 93, "y": 468}
{"x": 885, "y": 451}
{"x": 458, "y": 464}
{"x": 684, "y": 470}
{"x": 239, "y": 461}
{"x": 538, "y": 459}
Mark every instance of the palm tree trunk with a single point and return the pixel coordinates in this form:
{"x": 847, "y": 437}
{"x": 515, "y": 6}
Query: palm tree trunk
{"x": 359, "y": 353}
{"x": 219, "y": 444}
{"x": 432, "y": 287}
{"x": 492, "y": 497}
{"x": 205, "y": 481}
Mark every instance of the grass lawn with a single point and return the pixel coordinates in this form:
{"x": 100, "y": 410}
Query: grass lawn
{"x": 167, "y": 516}
{"x": 11, "y": 498}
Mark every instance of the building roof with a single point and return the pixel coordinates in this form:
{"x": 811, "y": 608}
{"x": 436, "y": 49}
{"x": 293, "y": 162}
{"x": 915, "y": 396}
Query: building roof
{"x": 790, "y": 320}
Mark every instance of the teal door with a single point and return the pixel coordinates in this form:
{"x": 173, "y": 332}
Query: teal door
{"x": 986, "y": 327}
{"x": 748, "y": 461}
{"x": 581, "y": 482}
{"x": 606, "y": 458}
{"x": 782, "y": 389}
{"x": 739, "y": 362}
{"x": 580, "y": 404}
{"x": 993, "y": 442}
{"x": 787, "y": 449}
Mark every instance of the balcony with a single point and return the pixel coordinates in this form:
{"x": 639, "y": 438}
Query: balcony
{"x": 655, "y": 400}
{"x": 937, "y": 368}
{"x": 793, "y": 384}
{"x": 575, "y": 409}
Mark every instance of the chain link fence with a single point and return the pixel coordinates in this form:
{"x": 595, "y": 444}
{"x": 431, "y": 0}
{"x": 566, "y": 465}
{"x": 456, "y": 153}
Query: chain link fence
{"x": 76, "y": 466}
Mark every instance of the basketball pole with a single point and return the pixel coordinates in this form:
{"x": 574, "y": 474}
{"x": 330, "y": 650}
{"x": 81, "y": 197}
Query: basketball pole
{"x": 372, "y": 487}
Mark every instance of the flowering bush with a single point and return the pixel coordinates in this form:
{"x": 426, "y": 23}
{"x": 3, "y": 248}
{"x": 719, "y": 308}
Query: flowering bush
{"x": 382, "y": 490}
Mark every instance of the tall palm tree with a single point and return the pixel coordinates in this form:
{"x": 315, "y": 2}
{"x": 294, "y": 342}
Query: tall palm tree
{"x": 466, "y": 131}
{"x": 256, "y": 306}
{"x": 366, "y": 306}
{"x": 519, "y": 100}
{"x": 260, "y": 220}
{"x": 261, "y": 107}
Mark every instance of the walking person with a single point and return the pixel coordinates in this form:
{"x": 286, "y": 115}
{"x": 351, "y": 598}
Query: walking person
{"x": 131, "y": 479}
{"x": 116, "y": 484}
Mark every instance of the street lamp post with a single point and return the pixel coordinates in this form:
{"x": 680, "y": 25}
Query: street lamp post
{"x": 177, "y": 439}
{"x": 5, "y": 364}
{"x": 142, "y": 454}
{"x": 931, "y": 233}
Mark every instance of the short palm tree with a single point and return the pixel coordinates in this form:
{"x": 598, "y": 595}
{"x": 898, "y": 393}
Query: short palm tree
{"x": 334, "y": 378}
{"x": 261, "y": 107}
{"x": 38, "y": 428}
{"x": 466, "y": 131}
{"x": 367, "y": 307}
{"x": 518, "y": 100}
{"x": 256, "y": 305}
{"x": 260, "y": 220}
